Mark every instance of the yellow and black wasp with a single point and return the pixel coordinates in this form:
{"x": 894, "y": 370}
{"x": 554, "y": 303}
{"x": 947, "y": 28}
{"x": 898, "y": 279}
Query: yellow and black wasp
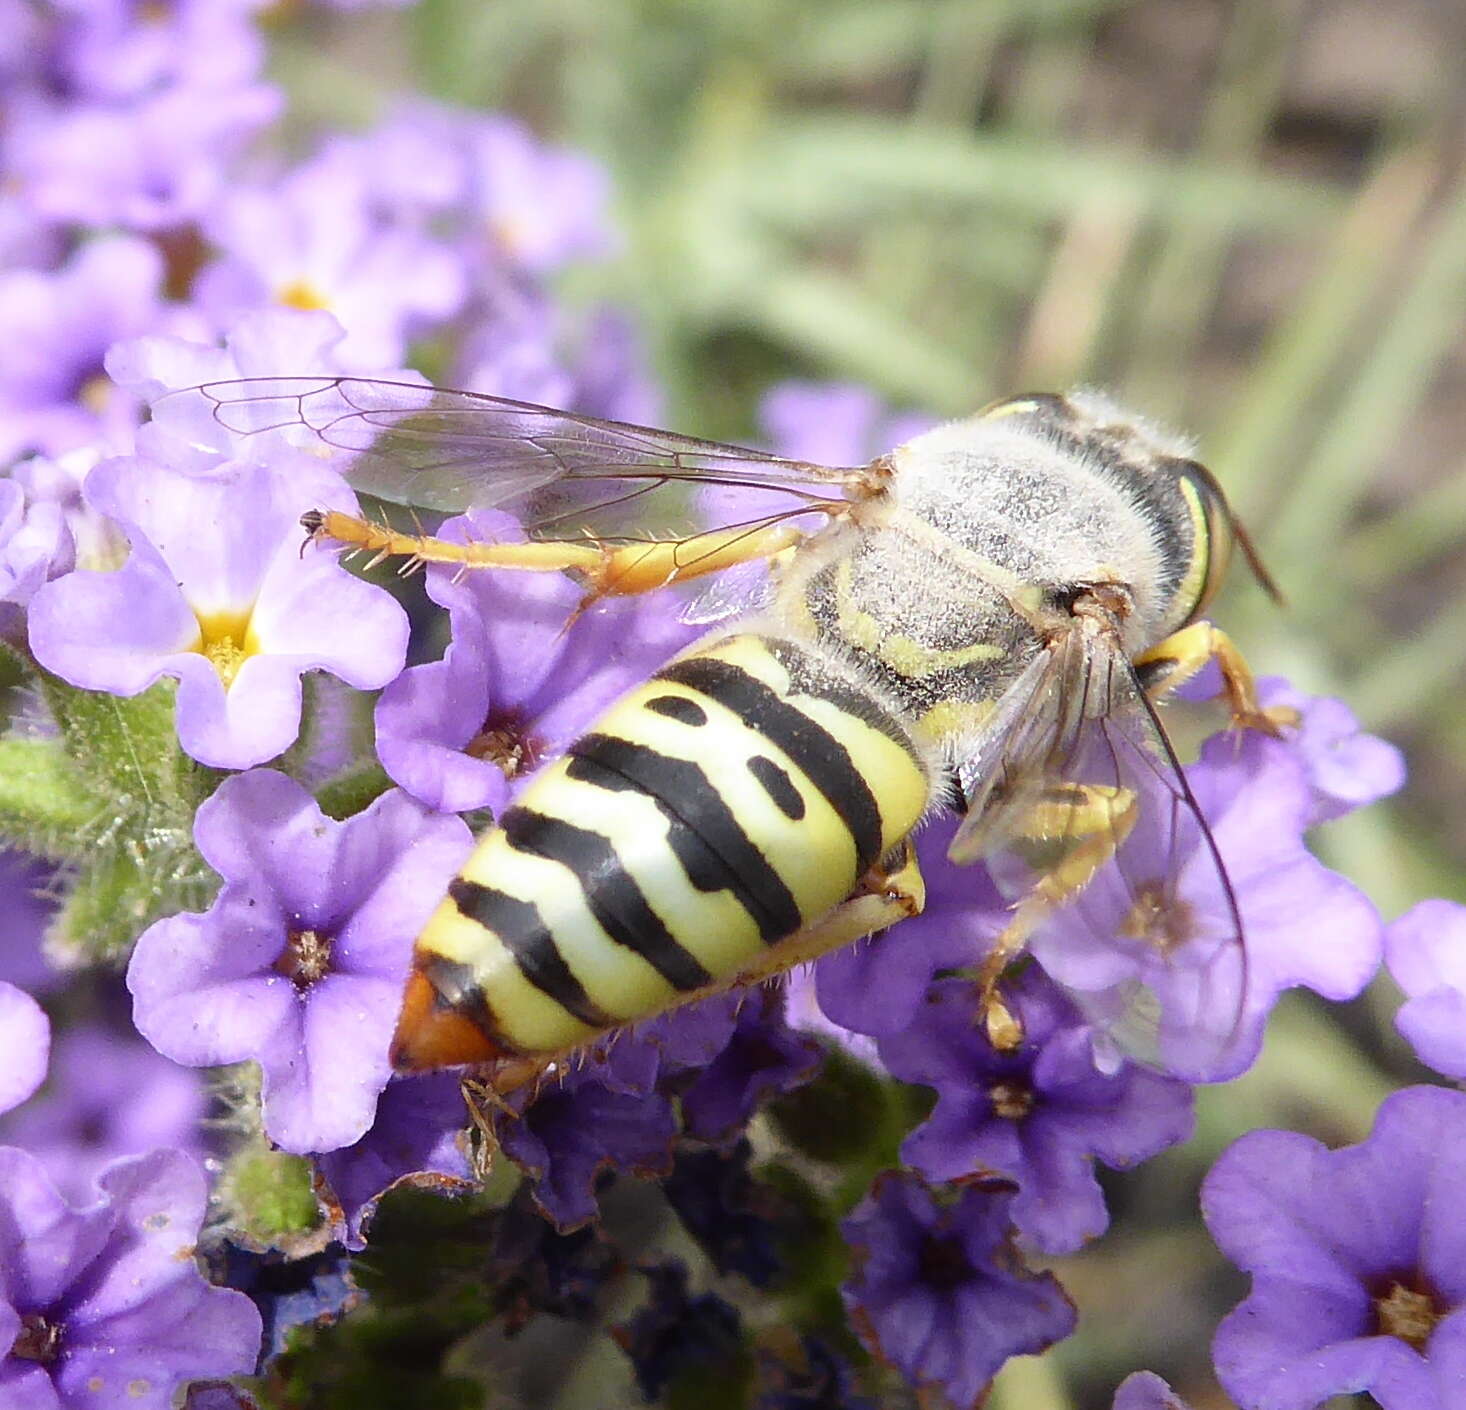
{"x": 982, "y": 618}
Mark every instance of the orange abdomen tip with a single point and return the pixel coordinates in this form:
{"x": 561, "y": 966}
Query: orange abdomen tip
{"x": 432, "y": 1033}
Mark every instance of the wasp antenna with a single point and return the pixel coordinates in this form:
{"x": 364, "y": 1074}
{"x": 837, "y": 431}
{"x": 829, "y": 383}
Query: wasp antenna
{"x": 1265, "y": 580}
{"x": 313, "y": 522}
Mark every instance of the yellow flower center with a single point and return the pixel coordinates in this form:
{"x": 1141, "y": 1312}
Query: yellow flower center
{"x": 1406, "y": 1313}
{"x": 300, "y": 293}
{"x": 1159, "y": 917}
{"x": 1010, "y": 1100}
{"x": 227, "y": 642}
{"x": 305, "y": 958}
{"x": 96, "y": 393}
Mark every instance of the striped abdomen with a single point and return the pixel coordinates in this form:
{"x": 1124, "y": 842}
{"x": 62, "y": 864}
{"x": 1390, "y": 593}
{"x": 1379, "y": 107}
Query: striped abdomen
{"x": 716, "y": 810}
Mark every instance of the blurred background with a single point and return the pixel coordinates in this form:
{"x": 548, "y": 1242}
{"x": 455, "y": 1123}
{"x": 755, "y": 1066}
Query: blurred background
{"x": 1245, "y": 217}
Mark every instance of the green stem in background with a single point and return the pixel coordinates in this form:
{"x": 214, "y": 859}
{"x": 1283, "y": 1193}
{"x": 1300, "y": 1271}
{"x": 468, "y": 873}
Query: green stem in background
{"x": 1028, "y": 1382}
{"x": 1181, "y": 292}
{"x": 1421, "y": 529}
{"x": 1249, "y": 447}
{"x": 1392, "y": 376}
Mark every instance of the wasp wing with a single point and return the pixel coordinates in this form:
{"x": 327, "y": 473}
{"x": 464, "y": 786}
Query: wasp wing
{"x": 1074, "y": 785}
{"x": 561, "y": 474}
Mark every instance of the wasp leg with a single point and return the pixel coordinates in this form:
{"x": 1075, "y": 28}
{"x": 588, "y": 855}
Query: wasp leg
{"x": 1174, "y": 661}
{"x": 1096, "y": 819}
{"x": 608, "y": 570}
{"x": 481, "y": 1099}
{"x": 884, "y": 896}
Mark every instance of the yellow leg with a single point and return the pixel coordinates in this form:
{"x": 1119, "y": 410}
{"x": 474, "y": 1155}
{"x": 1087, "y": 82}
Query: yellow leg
{"x": 1174, "y": 661}
{"x": 608, "y": 570}
{"x": 1094, "y": 820}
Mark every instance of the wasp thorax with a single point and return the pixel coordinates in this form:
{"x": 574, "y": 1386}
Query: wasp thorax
{"x": 1164, "y": 920}
{"x": 305, "y": 958}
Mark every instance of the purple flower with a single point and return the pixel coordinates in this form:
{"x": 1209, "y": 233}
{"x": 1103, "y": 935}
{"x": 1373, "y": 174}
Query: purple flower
{"x": 109, "y": 1096}
{"x": 533, "y": 1269}
{"x": 411, "y": 162}
{"x": 218, "y": 595}
{"x": 55, "y": 329}
{"x": 804, "y": 1014}
{"x": 299, "y": 963}
{"x": 414, "y": 1139}
{"x": 938, "y": 1292}
{"x": 516, "y": 685}
{"x": 518, "y": 345}
{"x": 314, "y": 1291}
{"x": 1346, "y": 767}
{"x": 58, "y": 530}
{"x": 1147, "y": 1391}
{"x": 25, "y": 1039}
{"x": 733, "y": 1218}
{"x": 666, "y": 1051}
{"x": 153, "y": 162}
{"x": 574, "y": 1128}
{"x": 762, "y": 1058}
{"x": 104, "y": 1305}
{"x": 185, "y": 431}
{"x": 675, "y": 1333}
{"x": 1358, "y": 1278}
{"x": 116, "y": 49}
{"x": 538, "y": 207}
{"x": 35, "y": 543}
{"x": 1426, "y": 952}
{"x": 822, "y": 1382}
{"x": 878, "y": 986}
{"x": 313, "y": 240}
{"x": 1304, "y": 924}
{"x": 1036, "y": 1117}
{"x": 25, "y": 910}
{"x": 833, "y": 423}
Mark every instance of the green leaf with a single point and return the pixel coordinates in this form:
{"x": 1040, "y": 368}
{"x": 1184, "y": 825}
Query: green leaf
{"x": 812, "y": 167}
{"x": 115, "y": 797}
{"x": 270, "y": 1195}
{"x": 43, "y": 799}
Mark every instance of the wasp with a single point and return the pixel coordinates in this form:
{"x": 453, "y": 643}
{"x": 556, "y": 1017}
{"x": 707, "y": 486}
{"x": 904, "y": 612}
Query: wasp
{"x": 983, "y": 618}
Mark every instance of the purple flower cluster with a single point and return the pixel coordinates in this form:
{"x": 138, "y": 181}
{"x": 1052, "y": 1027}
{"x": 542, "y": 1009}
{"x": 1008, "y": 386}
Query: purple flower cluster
{"x": 299, "y": 964}
{"x": 103, "y": 1304}
{"x": 1033, "y": 1118}
{"x": 152, "y": 242}
{"x": 1355, "y": 1257}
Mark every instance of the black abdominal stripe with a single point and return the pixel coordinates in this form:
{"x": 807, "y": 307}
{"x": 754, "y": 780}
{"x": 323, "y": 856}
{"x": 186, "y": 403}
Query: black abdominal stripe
{"x": 716, "y": 810}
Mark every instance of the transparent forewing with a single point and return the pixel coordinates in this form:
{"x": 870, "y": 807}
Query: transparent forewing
{"x": 560, "y": 474}
{"x": 1086, "y": 796}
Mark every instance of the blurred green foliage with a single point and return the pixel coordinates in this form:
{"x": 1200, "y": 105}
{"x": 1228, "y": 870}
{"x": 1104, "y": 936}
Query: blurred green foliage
{"x": 1245, "y": 216}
